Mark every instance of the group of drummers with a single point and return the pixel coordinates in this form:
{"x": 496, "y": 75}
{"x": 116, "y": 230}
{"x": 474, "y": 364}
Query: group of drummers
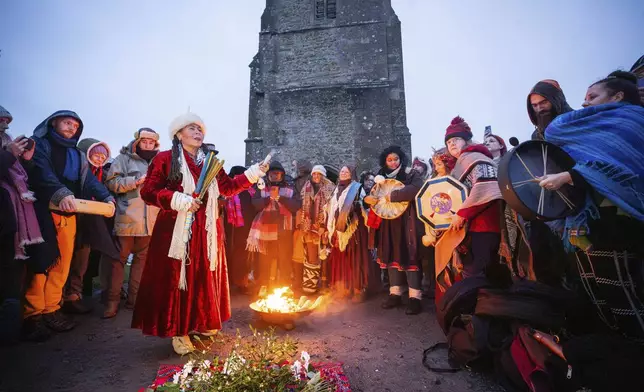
{"x": 565, "y": 209}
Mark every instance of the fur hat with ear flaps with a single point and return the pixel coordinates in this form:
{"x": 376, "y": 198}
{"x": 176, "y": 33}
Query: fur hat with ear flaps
{"x": 183, "y": 121}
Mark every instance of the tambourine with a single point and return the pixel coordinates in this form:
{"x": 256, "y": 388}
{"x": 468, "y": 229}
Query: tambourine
{"x": 90, "y": 207}
{"x": 519, "y": 173}
{"x": 388, "y": 210}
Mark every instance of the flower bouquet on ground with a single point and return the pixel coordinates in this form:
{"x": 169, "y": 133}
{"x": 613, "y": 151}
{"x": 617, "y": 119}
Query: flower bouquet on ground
{"x": 260, "y": 362}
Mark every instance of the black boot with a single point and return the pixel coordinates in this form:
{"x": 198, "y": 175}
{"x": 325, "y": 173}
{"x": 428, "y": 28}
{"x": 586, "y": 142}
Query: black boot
{"x": 393, "y": 301}
{"x": 35, "y": 330}
{"x": 58, "y": 322}
{"x": 413, "y": 306}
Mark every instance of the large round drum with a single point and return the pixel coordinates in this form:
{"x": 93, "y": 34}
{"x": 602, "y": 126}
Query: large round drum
{"x": 519, "y": 173}
{"x": 438, "y": 200}
{"x": 388, "y": 210}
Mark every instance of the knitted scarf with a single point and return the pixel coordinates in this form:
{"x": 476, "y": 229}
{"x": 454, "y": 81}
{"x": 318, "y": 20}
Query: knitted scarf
{"x": 265, "y": 227}
{"x": 179, "y": 245}
{"x": 606, "y": 143}
{"x": 313, "y": 204}
{"x": 28, "y": 232}
{"x": 234, "y": 212}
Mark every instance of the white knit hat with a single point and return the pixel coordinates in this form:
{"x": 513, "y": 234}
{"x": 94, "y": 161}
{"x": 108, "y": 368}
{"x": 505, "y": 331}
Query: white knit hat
{"x": 183, "y": 121}
{"x": 319, "y": 169}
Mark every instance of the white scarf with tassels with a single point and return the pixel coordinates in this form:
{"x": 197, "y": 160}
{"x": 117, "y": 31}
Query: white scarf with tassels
{"x": 179, "y": 247}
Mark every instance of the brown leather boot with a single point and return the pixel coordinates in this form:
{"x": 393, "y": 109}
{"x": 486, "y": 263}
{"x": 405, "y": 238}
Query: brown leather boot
{"x": 111, "y": 309}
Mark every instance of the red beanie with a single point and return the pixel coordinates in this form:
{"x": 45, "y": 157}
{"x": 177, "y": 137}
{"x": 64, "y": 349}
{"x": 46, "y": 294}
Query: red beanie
{"x": 458, "y": 128}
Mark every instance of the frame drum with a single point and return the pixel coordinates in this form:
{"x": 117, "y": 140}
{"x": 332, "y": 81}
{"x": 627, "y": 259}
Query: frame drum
{"x": 519, "y": 173}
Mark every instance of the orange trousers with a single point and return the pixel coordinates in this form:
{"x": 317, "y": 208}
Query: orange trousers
{"x": 45, "y": 291}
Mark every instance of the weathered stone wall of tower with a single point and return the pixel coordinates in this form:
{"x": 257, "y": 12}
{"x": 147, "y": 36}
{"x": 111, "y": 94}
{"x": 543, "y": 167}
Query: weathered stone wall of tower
{"x": 327, "y": 89}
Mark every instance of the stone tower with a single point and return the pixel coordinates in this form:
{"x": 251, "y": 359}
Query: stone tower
{"x": 327, "y": 83}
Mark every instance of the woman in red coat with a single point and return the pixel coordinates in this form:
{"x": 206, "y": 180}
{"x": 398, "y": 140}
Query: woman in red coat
{"x": 184, "y": 288}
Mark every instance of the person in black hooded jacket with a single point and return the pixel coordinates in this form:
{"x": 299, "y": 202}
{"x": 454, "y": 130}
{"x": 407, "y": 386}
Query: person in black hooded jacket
{"x": 239, "y": 214}
{"x": 546, "y": 101}
{"x": 271, "y": 233}
{"x": 541, "y": 248}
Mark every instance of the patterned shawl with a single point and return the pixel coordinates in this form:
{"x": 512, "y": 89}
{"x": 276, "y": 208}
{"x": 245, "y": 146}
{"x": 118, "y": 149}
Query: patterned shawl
{"x": 606, "y": 143}
{"x": 313, "y": 204}
{"x": 482, "y": 192}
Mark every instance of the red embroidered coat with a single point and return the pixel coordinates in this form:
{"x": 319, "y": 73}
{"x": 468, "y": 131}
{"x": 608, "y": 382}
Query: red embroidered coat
{"x": 161, "y": 308}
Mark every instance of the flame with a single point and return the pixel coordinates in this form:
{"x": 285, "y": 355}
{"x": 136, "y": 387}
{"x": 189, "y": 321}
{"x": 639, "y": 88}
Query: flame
{"x": 281, "y": 301}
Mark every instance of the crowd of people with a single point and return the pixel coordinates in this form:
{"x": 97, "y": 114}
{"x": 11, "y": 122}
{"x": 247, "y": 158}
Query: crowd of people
{"x": 261, "y": 227}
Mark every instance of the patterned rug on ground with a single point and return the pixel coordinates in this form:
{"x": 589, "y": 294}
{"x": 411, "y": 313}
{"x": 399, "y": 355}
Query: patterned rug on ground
{"x": 331, "y": 371}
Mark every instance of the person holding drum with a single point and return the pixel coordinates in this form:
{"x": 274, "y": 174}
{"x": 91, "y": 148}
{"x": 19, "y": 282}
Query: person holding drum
{"x": 397, "y": 240}
{"x": 605, "y": 140}
{"x": 479, "y": 215}
{"x": 184, "y": 287}
{"x": 546, "y": 101}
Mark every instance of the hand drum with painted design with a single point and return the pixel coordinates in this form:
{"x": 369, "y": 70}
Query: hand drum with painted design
{"x": 438, "y": 200}
{"x": 384, "y": 209}
{"x": 519, "y": 173}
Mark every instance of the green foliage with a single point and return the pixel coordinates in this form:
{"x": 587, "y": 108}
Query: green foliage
{"x": 256, "y": 363}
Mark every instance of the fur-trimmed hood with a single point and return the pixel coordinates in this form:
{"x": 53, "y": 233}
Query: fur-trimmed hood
{"x": 86, "y": 145}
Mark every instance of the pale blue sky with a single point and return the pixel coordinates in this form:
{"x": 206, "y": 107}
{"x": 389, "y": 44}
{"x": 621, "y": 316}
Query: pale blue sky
{"x": 123, "y": 64}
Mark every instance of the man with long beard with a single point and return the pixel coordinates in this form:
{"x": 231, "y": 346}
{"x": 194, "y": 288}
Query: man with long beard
{"x": 546, "y": 101}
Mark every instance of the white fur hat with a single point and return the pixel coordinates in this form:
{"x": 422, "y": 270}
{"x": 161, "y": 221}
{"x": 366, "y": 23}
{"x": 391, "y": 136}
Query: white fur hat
{"x": 183, "y": 121}
{"x": 319, "y": 169}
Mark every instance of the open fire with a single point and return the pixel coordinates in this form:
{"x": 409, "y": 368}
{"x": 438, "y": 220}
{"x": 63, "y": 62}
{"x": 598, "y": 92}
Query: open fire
{"x": 281, "y": 300}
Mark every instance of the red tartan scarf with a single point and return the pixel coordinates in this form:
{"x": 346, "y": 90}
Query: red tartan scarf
{"x": 234, "y": 211}
{"x": 265, "y": 226}
{"x": 313, "y": 204}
